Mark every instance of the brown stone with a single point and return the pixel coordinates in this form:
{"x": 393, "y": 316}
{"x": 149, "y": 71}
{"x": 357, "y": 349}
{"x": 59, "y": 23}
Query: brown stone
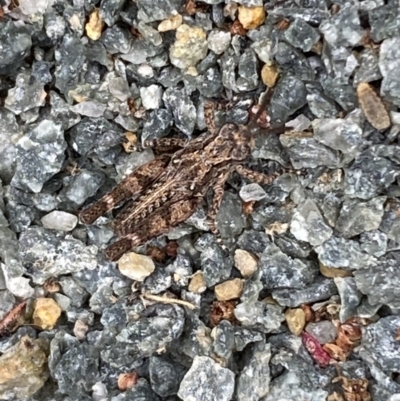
{"x": 95, "y": 25}
{"x": 136, "y": 266}
{"x": 269, "y": 75}
{"x": 228, "y": 290}
{"x": 23, "y": 369}
{"x": 197, "y": 283}
{"x": 46, "y": 313}
{"x": 251, "y": 17}
{"x": 333, "y": 272}
{"x": 245, "y": 262}
{"x": 296, "y": 320}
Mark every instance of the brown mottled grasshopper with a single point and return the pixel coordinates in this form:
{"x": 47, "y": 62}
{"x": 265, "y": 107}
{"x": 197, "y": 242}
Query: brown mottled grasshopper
{"x": 169, "y": 189}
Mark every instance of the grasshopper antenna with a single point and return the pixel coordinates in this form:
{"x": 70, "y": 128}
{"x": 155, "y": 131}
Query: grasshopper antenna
{"x": 266, "y": 99}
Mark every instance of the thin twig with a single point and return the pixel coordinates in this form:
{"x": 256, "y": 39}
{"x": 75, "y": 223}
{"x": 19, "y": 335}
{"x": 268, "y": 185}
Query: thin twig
{"x": 166, "y": 300}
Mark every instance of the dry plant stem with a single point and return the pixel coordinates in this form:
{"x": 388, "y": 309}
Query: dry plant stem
{"x": 166, "y": 300}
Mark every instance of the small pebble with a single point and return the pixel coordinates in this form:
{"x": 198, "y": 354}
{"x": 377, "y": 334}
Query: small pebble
{"x": 333, "y": 272}
{"x": 151, "y": 96}
{"x": 373, "y": 106}
{"x": 23, "y": 368}
{"x": 170, "y": 24}
{"x": 218, "y": 41}
{"x": 127, "y": 380}
{"x": 251, "y": 17}
{"x": 228, "y": 290}
{"x": 252, "y": 192}
{"x": 58, "y": 220}
{"x": 197, "y": 283}
{"x": 46, "y": 313}
{"x": 296, "y": 320}
{"x": 95, "y": 25}
{"x": 135, "y": 266}
{"x": 80, "y": 329}
{"x": 269, "y": 75}
{"x": 190, "y": 46}
{"x": 245, "y": 262}
{"x": 323, "y": 331}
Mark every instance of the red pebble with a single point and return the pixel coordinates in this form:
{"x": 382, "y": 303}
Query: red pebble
{"x": 315, "y": 349}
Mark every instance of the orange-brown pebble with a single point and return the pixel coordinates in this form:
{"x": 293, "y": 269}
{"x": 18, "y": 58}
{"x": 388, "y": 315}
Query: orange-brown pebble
{"x": 251, "y": 17}
{"x": 373, "y": 106}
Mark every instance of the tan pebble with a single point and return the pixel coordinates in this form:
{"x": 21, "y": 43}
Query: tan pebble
{"x": 373, "y": 106}
{"x": 135, "y": 266}
{"x": 95, "y": 25}
{"x": 46, "y": 313}
{"x": 296, "y": 320}
{"x": 190, "y": 46}
{"x": 228, "y": 290}
{"x": 245, "y": 262}
{"x": 80, "y": 329}
{"x": 170, "y": 24}
{"x": 269, "y": 75}
{"x": 127, "y": 380}
{"x": 197, "y": 283}
{"x": 251, "y": 17}
{"x": 23, "y": 368}
{"x": 333, "y": 272}
{"x": 192, "y": 71}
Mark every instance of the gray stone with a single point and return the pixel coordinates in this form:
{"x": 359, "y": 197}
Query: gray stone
{"x": 150, "y": 11}
{"x": 278, "y": 270}
{"x": 253, "y": 381}
{"x": 343, "y": 253}
{"x": 389, "y": 63}
{"x": 379, "y": 342}
{"x": 323, "y": 331}
{"x": 179, "y": 104}
{"x": 16, "y": 43}
{"x": 320, "y": 290}
{"x": 380, "y": 282}
{"x": 151, "y": 96}
{"x": 230, "y": 219}
{"x": 344, "y": 28}
{"x": 9, "y": 135}
{"x": 357, "y": 217}
{"x": 308, "y": 224}
{"x": 306, "y": 152}
{"x": 218, "y": 41}
{"x": 301, "y": 35}
{"x": 206, "y": 380}
{"x": 40, "y": 155}
{"x": 48, "y": 253}
{"x": 89, "y": 108}
{"x": 374, "y": 242}
{"x": 350, "y": 297}
{"x": 338, "y": 134}
{"x": 165, "y": 376}
{"x": 289, "y": 96}
{"x": 27, "y": 94}
{"x": 369, "y": 175}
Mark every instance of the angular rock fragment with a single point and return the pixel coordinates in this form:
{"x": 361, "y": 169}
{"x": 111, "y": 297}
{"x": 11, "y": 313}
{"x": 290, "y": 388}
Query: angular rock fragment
{"x": 380, "y": 282}
{"x": 357, "y": 217}
{"x": 253, "y": 381}
{"x": 207, "y": 380}
{"x": 40, "y": 155}
{"x": 23, "y": 368}
{"x": 380, "y": 342}
{"x": 321, "y": 289}
{"x": 373, "y": 107}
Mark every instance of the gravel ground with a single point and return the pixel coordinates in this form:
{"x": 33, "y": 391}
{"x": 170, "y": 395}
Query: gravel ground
{"x": 302, "y": 301}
